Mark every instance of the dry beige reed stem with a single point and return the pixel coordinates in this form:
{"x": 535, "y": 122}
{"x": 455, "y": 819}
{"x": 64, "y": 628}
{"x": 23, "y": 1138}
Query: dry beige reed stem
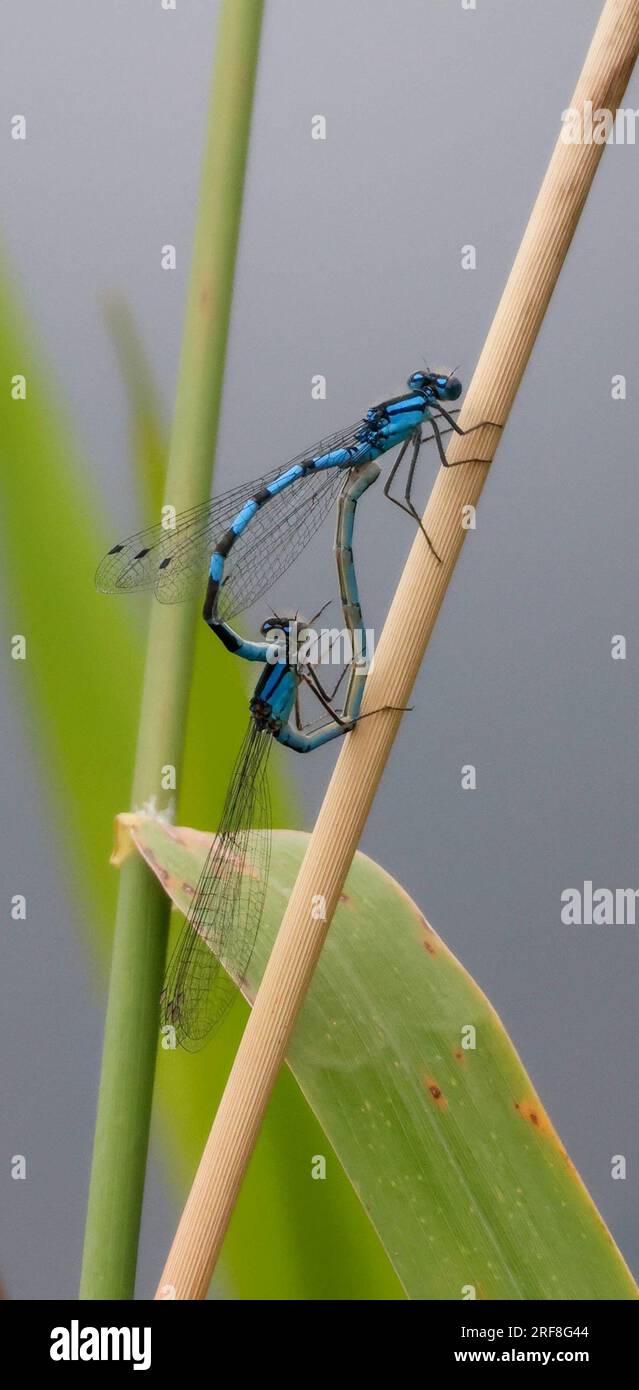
{"x": 410, "y": 622}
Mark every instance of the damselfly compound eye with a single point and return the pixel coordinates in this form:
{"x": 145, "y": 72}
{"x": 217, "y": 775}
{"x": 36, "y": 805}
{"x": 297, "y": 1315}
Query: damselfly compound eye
{"x": 417, "y": 380}
{"x": 453, "y": 388}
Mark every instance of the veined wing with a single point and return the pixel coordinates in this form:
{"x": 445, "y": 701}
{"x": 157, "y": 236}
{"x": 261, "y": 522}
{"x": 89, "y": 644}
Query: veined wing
{"x": 174, "y": 562}
{"x": 274, "y": 538}
{"x": 220, "y": 930}
{"x": 136, "y": 563}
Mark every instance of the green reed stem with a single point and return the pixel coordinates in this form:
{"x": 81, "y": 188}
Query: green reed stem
{"x": 139, "y": 948}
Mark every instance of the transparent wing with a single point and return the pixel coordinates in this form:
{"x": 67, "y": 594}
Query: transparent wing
{"x": 274, "y": 538}
{"x": 175, "y": 562}
{"x": 217, "y": 940}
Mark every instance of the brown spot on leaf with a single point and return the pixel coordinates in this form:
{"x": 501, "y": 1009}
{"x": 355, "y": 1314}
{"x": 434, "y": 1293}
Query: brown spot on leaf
{"x": 458, "y": 1054}
{"x": 426, "y": 933}
{"x": 436, "y": 1093}
{"x": 533, "y": 1112}
{"x": 154, "y": 864}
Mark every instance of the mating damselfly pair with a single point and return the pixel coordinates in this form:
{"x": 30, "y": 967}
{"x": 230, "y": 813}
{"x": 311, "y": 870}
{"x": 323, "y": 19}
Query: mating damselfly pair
{"x": 246, "y": 539}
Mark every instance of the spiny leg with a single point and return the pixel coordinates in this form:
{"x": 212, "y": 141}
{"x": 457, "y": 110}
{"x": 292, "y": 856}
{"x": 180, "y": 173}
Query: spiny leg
{"x": 409, "y": 499}
{"x": 407, "y": 505}
{"x": 311, "y": 677}
{"x": 302, "y": 741}
{"x": 298, "y": 712}
{"x": 426, "y": 438}
{"x": 437, "y": 436}
{"x": 458, "y": 430}
{"x": 347, "y": 724}
{"x": 393, "y": 472}
{"x": 312, "y": 680}
{"x": 385, "y": 709}
{"x": 356, "y": 484}
{"x": 336, "y": 687}
{"x": 448, "y": 415}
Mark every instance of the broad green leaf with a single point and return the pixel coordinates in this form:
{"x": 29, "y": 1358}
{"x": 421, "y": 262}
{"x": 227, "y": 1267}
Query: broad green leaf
{"x": 78, "y": 696}
{"x": 447, "y": 1144}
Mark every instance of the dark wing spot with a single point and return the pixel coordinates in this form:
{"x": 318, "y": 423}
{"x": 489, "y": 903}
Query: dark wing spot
{"x": 116, "y": 550}
{"x": 141, "y": 553}
{"x": 163, "y": 563}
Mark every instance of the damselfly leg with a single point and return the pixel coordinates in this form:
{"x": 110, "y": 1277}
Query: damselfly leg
{"x": 417, "y": 439}
{"x": 437, "y": 436}
{"x": 408, "y": 505}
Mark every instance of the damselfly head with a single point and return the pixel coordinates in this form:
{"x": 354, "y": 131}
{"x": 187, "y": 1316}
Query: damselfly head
{"x": 283, "y": 624}
{"x": 287, "y": 635}
{"x": 440, "y": 386}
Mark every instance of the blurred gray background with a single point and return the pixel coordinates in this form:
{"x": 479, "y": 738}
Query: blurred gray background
{"x": 440, "y": 125}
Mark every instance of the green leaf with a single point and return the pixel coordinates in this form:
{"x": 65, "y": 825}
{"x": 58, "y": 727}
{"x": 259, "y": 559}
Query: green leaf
{"x": 78, "y": 709}
{"x": 447, "y": 1145}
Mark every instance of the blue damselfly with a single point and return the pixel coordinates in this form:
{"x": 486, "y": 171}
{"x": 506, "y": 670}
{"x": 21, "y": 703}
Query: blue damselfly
{"x": 248, "y": 537}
